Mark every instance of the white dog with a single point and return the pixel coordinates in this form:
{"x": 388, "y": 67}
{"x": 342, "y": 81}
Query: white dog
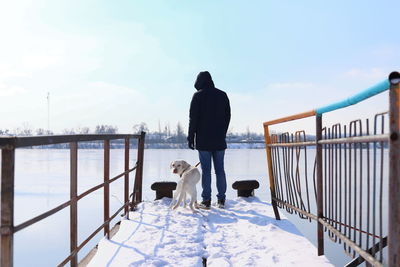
{"x": 189, "y": 177}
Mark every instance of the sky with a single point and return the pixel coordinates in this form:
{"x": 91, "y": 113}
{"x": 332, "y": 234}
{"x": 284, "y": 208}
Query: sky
{"x": 125, "y": 62}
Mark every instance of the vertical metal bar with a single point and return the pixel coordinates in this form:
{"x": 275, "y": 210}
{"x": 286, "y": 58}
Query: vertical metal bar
{"x": 106, "y": 195}
{"x": 355, "y": 187}
{"x": 381, "y": 195}
{"x": 285, "y": 171}
{"x": 361, "y": 187}
{"x": 340, "y": 183}
{"x": 281, "y": 172}
{"x": 270, "y": 172}
{"x": 320, "y": 209}
{"x": 278, "y": 173}
{"x": 126, "y": 181}
{"x": 289, "y": 163}
{"x": 394, "y": 172}
{"x": 374, "y": 188}
{"x": 336, "y": 129}
{"x": 7, "y": 206}
{"x": 73, "y": 196}
{"x": 137, "y": 190}
{"x": 329, "y": 212}
{"x": 346, "y": 147}
{"x": 275, "y": 167}
{"x": 350, "y": 185}
{"x": 305, "y": 174}
{"x": 141, "y": 158}
{"x": 324, "y": 167}
{"x": 368, "y": 195}
{"x": 291, "y": 176}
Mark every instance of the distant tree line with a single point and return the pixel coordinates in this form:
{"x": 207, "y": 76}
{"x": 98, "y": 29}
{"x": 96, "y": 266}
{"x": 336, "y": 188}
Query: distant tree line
{"x": 164, "y": 137}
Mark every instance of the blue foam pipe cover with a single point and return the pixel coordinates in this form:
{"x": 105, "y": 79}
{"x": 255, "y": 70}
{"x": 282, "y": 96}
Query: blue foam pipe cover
{"x": 374, "y": 90}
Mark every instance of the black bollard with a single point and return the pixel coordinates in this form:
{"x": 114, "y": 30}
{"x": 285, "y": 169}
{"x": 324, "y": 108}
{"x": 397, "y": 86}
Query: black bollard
{"x": 245, "y": 188}
{"x": 163, "y": 189}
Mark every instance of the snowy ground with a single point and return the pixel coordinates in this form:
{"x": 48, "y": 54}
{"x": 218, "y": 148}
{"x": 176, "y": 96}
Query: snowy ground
{"x": 243, "y": 234}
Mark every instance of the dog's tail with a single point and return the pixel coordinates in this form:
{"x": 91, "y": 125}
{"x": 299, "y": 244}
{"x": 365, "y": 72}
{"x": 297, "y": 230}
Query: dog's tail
{"x": 197, "y": 164}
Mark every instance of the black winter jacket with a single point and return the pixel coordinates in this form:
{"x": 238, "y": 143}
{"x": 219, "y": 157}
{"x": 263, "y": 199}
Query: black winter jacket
{"x": 209, "y": 115}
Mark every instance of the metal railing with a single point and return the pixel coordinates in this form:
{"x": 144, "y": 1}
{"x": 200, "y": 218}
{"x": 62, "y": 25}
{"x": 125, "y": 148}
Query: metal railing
{"x": 344, "y": 177}
{"x": 8, "y": 145}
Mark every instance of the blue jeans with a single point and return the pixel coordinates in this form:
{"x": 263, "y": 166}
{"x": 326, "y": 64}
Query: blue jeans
{"x": 218, "y": 160}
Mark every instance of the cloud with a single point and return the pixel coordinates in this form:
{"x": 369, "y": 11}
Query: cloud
{"x": 291, "y": 85}
{"x": 100, "y": 96}
{"x": 109, "y": 88}
{"x": 369, "y": 74}
{"x": 387, "y": 51}
{"x": 10, "y": 90}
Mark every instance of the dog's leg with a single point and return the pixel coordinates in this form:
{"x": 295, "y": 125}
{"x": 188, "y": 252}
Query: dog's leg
{"x": 175, "y": 195}
{"x": 173, "y": 200}
{"x": 184, "y": 200}
{"x": 179, "y": 200}
{"x": 193, "y": 200}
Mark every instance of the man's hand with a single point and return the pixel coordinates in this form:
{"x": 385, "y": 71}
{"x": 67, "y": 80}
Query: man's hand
{"x": 191, "y": 143}
{"x": 191, "y": 146}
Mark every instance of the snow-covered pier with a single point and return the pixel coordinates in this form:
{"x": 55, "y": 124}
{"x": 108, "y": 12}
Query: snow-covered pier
{"x": 244, "y": 234}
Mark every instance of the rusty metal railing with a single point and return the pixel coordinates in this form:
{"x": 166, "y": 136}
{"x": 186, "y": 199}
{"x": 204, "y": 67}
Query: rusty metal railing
{"x": 8, "y": 145}
{"x": 344, "y": 177}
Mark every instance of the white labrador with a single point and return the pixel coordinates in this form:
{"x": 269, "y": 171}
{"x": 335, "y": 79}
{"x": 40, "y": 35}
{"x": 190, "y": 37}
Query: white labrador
{"x": 189, "y": 177}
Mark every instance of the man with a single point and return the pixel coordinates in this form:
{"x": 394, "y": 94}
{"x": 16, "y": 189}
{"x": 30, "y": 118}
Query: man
{"x": 209, "y": 118}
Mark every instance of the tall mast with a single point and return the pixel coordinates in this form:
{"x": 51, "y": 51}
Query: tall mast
{"x": 48, "y": 112}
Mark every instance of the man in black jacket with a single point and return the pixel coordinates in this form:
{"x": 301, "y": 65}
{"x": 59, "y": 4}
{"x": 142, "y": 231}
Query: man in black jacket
{"x": 209, "y": 118}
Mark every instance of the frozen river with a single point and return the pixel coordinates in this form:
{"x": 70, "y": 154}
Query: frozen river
{"x": 42, "y": 182}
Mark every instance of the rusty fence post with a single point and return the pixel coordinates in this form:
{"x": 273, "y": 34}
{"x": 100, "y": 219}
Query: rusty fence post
{"x": 106, "y": 193}
{"x": 270, "y": 172}
{"x": 126, "y": 181}
{"x": 73, "y": 146}
{"x": 394, "y": 171}
{"x": 137, "y": 189}
{"x": 139, "y": 172}
{"x": 320, "y": 206}
{"x": 7, "y": 206}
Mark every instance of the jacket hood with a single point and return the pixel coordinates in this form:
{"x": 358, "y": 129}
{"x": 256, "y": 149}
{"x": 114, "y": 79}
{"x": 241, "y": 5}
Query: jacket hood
{"x": 204, "y": 81}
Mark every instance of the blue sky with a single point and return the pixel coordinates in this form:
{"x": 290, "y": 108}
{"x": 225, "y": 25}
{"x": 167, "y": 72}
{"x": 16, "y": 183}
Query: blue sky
{"x": 126, "y": 62}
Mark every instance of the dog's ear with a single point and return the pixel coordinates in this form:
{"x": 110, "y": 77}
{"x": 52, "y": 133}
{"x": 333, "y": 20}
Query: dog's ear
{"x": 185, "y": 165}
{"x": 170, "y": 165}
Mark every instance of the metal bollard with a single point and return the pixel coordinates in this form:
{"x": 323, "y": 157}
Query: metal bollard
{"x": 163, "y": 189}
{"x": 245, "y": 188}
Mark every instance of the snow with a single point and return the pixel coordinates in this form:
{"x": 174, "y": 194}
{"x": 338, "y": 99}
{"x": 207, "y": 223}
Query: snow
{"x": 245, "y": 233}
